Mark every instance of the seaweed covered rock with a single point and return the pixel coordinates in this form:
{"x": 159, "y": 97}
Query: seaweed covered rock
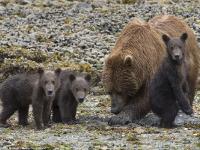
{"x": 15, "y": 59}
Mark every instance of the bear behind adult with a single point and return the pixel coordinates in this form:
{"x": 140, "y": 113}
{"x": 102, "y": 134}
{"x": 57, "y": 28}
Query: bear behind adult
{"x": 18, "y": 92}
{"x": 169, "y": 87}
{"x": 74, "y": 88}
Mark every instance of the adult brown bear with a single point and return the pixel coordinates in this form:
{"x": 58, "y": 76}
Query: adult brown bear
{"x": 134, "y": 60}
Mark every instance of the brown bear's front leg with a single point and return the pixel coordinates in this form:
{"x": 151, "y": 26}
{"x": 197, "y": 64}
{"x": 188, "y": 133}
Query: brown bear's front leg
{"x": 23, "y": 115}
{"x": 37, "y": 113}
{"x": 47, "y": 113}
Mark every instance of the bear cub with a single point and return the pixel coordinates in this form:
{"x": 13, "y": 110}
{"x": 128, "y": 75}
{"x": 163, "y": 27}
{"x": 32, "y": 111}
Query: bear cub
{"x": 44, "y": 93}
{"x": 19, "y": 91}
{"x": 74, "y": 88}
{"x": 169, "y": 87}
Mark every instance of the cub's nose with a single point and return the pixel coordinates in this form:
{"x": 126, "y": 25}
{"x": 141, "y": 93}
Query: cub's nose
{"x": 177, "y": 56}
{"x": 81, "y": 100}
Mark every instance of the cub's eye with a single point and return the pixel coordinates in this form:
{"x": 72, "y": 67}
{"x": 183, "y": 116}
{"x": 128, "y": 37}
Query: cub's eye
{"x": 53, "y": 82}
{"x": 76, "y": 89}
{"x": 45, "y": 82}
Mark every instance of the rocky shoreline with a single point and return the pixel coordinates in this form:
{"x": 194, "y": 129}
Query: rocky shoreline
{"x": 78, "y": 35}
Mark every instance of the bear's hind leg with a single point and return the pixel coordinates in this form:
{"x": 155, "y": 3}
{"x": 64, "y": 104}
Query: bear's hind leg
{"x": 37, "y": 113}
{"x": 168, "y": 117}
{"x": 23, "y": 115}
{"x": 5, "y": 114}
{"x": 56, "y": 114}
{"x": 47, "y": 113}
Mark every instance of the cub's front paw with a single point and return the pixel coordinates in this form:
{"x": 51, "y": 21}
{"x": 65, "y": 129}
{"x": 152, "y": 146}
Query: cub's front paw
{"x": 119, "y": 120}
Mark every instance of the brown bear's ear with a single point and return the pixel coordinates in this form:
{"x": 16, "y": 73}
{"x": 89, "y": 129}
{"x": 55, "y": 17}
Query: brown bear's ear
{"x": 72, "y": 77}
{"x": 184, "y": 37}
{"x": 40, "y": 71}
{"x": 128, "y": 60}
{"x": 165, "y": 38}
{"x": 88, "y": 77}
{"x": 108, "y": 60}
{"x": 58, "y": 71}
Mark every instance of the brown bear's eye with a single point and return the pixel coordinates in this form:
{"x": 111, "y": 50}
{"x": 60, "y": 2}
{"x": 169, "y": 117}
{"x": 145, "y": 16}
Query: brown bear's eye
{"x": 53, "y": 82}
{"x": 76, "y": 89}
{"x": 45, "y": 82}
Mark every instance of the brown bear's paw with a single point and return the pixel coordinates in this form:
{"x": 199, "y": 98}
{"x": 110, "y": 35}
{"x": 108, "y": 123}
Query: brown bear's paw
{"x": 119, "y": 120}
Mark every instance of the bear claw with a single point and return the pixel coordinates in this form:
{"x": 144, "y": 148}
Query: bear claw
{"x": 118, "y": 120}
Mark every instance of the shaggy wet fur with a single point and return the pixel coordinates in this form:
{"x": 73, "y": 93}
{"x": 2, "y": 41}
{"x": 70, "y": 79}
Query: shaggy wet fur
{"x": 169, "y": 88}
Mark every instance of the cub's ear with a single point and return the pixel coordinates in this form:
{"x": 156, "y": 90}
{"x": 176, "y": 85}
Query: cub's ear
{"x": 72, "y": 77}
{"x": 184, "y": 37}
{"x": 40, "y": 71}
{"x": 58, "y": 71}
{"x": 128, "y": 60}
{"x": 165, "y": 38}
{"x": 88, "y": 77}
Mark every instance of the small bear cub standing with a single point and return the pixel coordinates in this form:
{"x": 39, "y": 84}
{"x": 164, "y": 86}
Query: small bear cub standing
{"x": 74, "y": 88}
{"x": 169, "y": 87}
{"x": 19, "y": 91}
{"x": 44, "y": 93}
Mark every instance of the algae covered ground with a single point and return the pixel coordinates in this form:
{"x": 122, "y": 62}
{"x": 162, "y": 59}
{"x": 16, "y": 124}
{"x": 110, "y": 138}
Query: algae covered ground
{"x": 77, "y": 35}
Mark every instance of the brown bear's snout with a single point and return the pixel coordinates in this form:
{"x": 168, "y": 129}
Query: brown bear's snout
{"x": 114, "y": 111}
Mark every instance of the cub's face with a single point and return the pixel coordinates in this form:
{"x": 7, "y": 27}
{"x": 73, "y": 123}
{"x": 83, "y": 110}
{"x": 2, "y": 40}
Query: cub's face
{"x": 49, "y": 81}
{"x": 176, "y": 47}
{"x": 80, "y": 86}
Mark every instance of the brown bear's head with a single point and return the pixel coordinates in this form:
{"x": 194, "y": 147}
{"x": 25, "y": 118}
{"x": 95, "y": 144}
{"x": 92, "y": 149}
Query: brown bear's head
{"x": 49, "y": 81}
{"x": 80, "y": 86}
{"x": 120, "y": 80}
{"x": 176, "y": 47}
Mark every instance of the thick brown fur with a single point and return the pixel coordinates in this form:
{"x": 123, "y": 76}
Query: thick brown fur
{"x": 16, "y": 92}
{"x": 134, "y": 60}
{"x": 43, "y": 95}
{"x": 169, "y": 89}
{"x": 173, "y": 27}
{"x": 73, "y": 90}
{"x": 19, "y": 91}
